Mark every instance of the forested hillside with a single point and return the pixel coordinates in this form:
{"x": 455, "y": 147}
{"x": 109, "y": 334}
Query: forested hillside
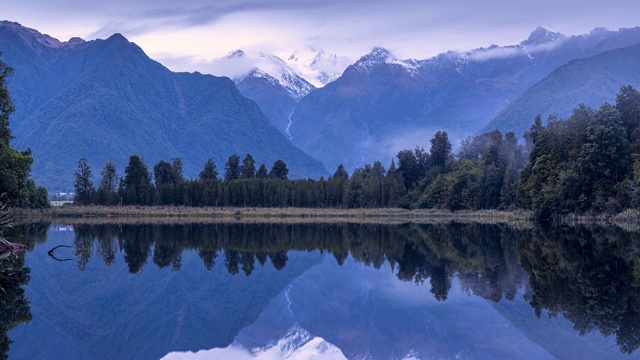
{"x": 590, "y": 81}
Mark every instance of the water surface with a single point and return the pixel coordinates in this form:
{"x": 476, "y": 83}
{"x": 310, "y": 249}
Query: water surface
{"x": 356, "y": 291}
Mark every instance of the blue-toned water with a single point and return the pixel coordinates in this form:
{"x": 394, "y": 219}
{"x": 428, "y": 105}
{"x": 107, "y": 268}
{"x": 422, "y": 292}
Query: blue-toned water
{"x": 353, "y": 291}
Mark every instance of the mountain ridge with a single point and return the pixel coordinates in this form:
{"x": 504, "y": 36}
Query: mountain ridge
{"x": 107, "y": 100}
{"x": 591, "y": 81}
{"x": 381, "y": 104}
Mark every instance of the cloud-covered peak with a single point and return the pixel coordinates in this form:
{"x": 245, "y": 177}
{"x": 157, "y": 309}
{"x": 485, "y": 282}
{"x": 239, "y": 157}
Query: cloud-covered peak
{"x": 239, "y": 65}
{"x": 540, "y": 40}
{"x": 236, "y": 54}
{"x": 272, "y": 59}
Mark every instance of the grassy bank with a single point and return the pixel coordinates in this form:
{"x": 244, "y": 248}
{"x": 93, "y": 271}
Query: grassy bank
{"x": 214, "y": 214}
{"x": 628, "y": 219}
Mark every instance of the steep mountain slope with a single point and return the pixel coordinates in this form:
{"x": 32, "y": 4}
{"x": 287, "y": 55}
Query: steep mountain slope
{"x": 590, "y": 81}
{"x": 271, "y": 97}
{"x": 382, "y": 104}
{"x": 272, "y": 84}
{"x": 340, "y": 122}
{"x": 106, "y": 100}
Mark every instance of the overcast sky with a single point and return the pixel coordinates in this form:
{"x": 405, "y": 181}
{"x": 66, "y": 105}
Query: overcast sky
{"x": 184, "y": 32}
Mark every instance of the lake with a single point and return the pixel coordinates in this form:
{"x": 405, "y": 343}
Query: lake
{"x": 322, "y": 291}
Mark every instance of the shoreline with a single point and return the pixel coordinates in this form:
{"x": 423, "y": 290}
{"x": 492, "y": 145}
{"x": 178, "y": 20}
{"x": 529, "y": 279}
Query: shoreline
{"x": 627, "y": 219}
{"x": 220, "y": 214}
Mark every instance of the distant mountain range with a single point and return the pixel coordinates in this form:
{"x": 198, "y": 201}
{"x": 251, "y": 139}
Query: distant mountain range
{"x": 106, "y": 100}
{"x": 382, "y": 104}
{"x": 591, "y": 81}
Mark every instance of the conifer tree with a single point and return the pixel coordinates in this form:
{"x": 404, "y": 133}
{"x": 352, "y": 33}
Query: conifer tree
{"x": 137, "y": 182}
{"x": 83, "y": 184}
{"x": 279, "y": 170}
{"x": 232, "y": 168}
{"x": 209, "y": 172}
{"x": 248, "y": 168}
{"x": 262, "y": 172}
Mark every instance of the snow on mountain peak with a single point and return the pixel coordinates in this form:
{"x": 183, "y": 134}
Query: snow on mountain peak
{"x": 290, "y": 79}
{"x": 317, "y": 66}
{"x": 273, "y": 59}
{"x": 376, "y": 57}
{"x": 239, "y": 65}
{"x": 299, "y": 344}
{"x": 379, "y": 56}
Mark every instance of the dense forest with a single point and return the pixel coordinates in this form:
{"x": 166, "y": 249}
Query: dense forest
{"x": 587, "y": 163}
{"x": 16, "y": 186}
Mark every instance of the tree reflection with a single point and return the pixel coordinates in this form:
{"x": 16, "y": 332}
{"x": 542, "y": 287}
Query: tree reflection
{"x": 589, "y": 276}
{"x": 14, "y": 306}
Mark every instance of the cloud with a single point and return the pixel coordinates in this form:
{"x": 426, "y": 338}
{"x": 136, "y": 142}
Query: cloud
{"x": 231, "y": 68}
{"x": 409, "y": 28}
{"x": 147, "y": 16}
{"x": 495, "y": 52}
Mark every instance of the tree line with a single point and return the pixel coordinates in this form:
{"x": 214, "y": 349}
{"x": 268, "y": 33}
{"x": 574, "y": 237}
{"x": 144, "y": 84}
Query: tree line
{"x": 587, "y": 163}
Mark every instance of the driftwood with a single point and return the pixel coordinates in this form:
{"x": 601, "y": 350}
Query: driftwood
{"x": 51, "y": 252}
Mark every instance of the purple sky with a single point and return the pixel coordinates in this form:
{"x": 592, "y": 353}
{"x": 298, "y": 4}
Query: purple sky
{"x": 185, "y": 32}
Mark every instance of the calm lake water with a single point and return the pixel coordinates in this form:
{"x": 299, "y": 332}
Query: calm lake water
{"x": 334, "y": 291}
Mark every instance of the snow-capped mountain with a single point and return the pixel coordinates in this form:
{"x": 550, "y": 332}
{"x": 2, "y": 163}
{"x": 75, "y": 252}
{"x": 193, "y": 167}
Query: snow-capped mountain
{"x": 290, "y": 79}
{"x": 302, "y": 71}
{"x": 297, "y": 344}
{"x": 273, "y": 69}
{"x": 317, "y": 66}
{"x": 379, "y": 56}
{"x": 277, "y": 85}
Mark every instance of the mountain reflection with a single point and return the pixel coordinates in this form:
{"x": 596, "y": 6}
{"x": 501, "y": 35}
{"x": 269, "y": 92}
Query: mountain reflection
{"x": 588, "y": 276}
